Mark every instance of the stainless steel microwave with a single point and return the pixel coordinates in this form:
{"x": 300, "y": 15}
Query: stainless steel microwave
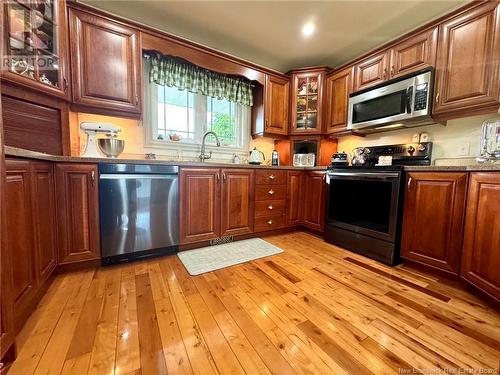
{"x": 401, "y": 102}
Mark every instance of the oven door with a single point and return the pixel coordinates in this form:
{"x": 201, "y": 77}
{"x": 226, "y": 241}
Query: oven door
{"x": 382, "y": 106}
{"x": 364, "y": 202}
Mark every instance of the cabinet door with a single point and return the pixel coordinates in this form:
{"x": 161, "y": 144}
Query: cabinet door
{"x": 294, "y": 195}
{"x": 481, "y": 250}
{"x": 314, "y": 201}
{"x": 237, "y": 197}
{"x": 77, "y": 212}
{"x": 20, "y": 239}
{"x": 199, "y": 204}
{"x": 307, "y": 100}
{"x": 437, "y": 198}
{"x": 43, "y": 25}
{"x": 371, "y": 71}
{"x": 105, "y": 63}
{"x": 338, "y": 86}
{"x": 467, "y": 69}
{"x": 44, "y": 219}
{"x": 415, "y": 53}
{"x": 276, "y": 107}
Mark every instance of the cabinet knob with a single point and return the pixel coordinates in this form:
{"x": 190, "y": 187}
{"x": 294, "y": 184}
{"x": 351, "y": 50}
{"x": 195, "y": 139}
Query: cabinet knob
{"x": 409, "y": 183}
{"x": 272, "y": 177}
{"x": 271, "y": 192}
{"x": 267, "y": 123}
{"x": 92, "y": 177}
{"x": 384, "y": 75}
{"x": 270, "y": 221}
{"x": 270, "y": 207}
{"x": 437, "y": 98}
{"x": 65, "y": 83}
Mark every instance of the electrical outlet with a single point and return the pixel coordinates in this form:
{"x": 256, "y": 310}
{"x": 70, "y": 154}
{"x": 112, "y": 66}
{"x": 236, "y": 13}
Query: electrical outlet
{"x": 463, "y": 149}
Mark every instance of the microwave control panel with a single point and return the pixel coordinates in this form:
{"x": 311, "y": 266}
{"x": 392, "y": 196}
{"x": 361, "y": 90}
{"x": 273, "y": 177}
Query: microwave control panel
{"x": 421, "y": 96}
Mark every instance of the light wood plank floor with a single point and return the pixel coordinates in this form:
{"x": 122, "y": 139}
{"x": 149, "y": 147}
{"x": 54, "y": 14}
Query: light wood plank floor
{"x": 313, "y": 309}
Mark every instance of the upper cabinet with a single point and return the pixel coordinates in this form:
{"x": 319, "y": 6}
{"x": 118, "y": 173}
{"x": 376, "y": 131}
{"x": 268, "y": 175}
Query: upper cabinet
{"x": 371, "y": 71}
{"x": 338, "y": 88}
{"x": 105, "y": 63}
{"x": 467, "y": 68}
{"x": 35, "y": 44}
{"x": 415, "y": 53}
{"x": 307, "y": 100}
{"x": 410, "y": 55}
{"x": 276, "y": 92}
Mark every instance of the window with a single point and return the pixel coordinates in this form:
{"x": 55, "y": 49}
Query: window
{"x": 173, "y": 112}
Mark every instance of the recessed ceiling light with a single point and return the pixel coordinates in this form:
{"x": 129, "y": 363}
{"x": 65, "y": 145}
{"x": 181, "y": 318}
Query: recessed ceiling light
{"x": 308, "y": 29}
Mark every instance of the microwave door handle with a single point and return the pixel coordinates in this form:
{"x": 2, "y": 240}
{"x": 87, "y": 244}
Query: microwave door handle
{"x": 409, "y": 99}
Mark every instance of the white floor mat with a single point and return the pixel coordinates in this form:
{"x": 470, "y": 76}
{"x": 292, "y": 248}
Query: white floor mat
{"x": 212, "y": 258}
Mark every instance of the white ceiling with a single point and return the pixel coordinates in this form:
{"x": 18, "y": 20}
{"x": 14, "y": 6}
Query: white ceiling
{"x": 269, "y": 32}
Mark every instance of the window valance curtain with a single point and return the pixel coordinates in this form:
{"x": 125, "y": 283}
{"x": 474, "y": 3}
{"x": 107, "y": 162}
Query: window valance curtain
{"x": 175, "y": 72}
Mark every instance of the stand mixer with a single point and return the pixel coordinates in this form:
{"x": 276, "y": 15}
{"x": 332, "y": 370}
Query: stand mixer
{"x": 92, "y": 129}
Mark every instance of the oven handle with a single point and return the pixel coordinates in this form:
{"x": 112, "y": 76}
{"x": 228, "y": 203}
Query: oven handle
{"x": 380, "y": 175}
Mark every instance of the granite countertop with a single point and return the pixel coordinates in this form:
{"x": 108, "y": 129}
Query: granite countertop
{"x": 19, "y": 152}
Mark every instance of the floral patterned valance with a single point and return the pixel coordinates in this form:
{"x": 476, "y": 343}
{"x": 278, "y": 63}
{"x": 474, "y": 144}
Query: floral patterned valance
{"x": 175, "y": 72}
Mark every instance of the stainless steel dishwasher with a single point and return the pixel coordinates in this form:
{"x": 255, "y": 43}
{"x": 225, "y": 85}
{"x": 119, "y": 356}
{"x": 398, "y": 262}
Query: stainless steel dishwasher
{"x": 139, "y": 210}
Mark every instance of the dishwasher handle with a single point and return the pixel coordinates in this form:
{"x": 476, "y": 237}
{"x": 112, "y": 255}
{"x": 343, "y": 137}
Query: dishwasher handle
{"x": 137, "y": 176}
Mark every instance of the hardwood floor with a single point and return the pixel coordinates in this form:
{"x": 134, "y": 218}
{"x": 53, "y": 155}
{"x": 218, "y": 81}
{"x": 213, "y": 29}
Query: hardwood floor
{"x": 313, "y": 309}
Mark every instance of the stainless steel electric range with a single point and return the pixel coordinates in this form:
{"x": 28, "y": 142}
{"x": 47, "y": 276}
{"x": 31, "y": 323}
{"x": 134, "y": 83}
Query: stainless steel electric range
{"x": 364, "y": 203}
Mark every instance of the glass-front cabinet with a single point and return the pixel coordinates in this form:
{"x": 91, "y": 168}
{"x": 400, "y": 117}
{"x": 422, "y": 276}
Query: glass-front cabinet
{"x": 307, "y": 100}
{"x": 35, "y": 52}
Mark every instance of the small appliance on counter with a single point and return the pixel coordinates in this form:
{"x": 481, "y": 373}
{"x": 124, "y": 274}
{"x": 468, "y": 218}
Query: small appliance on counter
{"x": 256, "y": 157}
{"x": 109, "y": 146}
{"x": 489, "y": 147}
{"x": 304, "y": 160}
{"x": 275, "y": 158}
{"x": 340, "y": 158}
{"x": 364, "y": 201}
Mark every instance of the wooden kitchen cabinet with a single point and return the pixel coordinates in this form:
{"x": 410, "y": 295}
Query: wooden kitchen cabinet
{"x": 276, "y": 107}
{"x": 467, "y": 69}
{"x": 237, "y": 201}
{"x": 413, "y": 54}
{"x": 199, "y": 204}
{"x": 77, "y": 212}
{"x": 37, "y": 46}
{"x": 481, "y": 250}
{"x": 372, "y": 70}
{"x": 294, "y": 197}
{"x": 307, "y": 100}
{"x": 313, "y": 200}
{"x": 44, "y": 223}
{"x": 105, "y": 63}
{"x": 20, "y": 239}
{"x": 338, "y": 88}
{"x": 437, "y": 198}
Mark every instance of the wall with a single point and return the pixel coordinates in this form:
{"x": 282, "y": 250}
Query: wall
{"x": 447, "y": 140}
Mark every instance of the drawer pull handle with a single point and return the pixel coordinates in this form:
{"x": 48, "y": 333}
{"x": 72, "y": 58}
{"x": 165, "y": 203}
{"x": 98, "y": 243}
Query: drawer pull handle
{"x": 271, "y": 192}
{"x": 270, "y": 207}
{"x": 272, "y": 177}
{"x": 270, "y": 222}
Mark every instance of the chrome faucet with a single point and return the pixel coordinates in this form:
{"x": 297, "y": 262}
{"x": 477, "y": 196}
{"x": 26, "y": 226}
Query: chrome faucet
{"x": 203, "y": 155}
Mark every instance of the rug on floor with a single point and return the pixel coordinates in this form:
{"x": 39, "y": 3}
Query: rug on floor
{"x": 211, "y": 258}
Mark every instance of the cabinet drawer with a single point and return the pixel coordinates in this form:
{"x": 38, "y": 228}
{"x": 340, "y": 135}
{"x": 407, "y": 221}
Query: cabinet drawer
{"x": 269, "y": 222}
{"x": 269, "y": 176}
{"x": 267, "y": 192}
{"x": 270, "y": 207}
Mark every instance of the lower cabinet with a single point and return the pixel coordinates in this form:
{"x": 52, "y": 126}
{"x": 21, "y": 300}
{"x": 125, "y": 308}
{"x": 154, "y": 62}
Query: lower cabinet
{"x": 433, "y": 219}
{"x": 31, "y": 240}
{"x": 270, "y": 199}
{"x": 481, "y": 245}
{"x": 215, "y": 202}
{"x": 77, "y": 212}
{"x": 313, "y": 200}
{"x": 294, "y": 195}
